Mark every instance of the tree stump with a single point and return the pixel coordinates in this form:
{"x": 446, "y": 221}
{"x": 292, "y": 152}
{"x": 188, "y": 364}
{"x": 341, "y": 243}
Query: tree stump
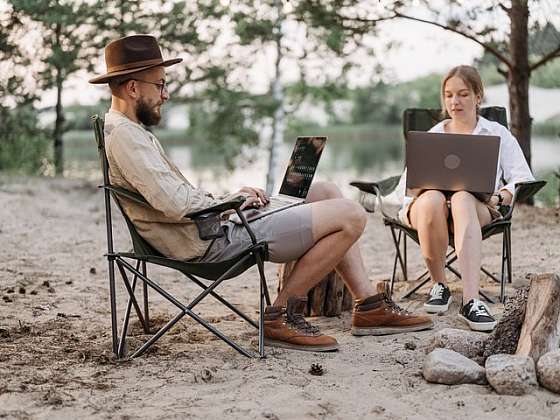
{"x": 540, "y": 332}
{"x": 329, "y": 298}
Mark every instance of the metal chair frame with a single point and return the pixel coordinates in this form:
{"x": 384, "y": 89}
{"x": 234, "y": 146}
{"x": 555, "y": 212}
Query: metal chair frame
{"x": 198, "y": 273}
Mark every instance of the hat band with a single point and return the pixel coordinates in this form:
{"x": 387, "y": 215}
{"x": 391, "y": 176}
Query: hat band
{"x": 136, "y": 64}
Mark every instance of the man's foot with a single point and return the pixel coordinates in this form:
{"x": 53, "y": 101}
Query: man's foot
{"x": 379, "y": 315}
{"x": 287, "y": 328}
{"x": 439, "y": 300}
{"x": 477, "y": 315}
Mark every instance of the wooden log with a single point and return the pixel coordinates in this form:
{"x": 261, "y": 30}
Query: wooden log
{"x": 329, "y": 298}
{"x": 540, "y": 332}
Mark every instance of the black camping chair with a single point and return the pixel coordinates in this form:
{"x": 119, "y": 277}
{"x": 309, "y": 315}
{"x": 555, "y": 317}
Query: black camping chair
{"x": 208, "y": 276}
{"x": 422, "y": 120}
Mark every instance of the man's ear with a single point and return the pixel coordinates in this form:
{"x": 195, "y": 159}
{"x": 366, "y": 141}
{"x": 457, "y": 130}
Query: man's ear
{"x": 131, "y": 89}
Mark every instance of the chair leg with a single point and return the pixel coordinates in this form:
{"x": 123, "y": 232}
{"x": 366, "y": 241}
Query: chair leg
{"x": 396, "y": 242}
{"x": 146, "y": 304}
{"x": 263, "y": 294}
{"x": 113, "y": 303}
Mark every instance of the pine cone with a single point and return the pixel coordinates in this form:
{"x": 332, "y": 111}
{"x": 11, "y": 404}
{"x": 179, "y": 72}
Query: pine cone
{"x": 316, "y": 369}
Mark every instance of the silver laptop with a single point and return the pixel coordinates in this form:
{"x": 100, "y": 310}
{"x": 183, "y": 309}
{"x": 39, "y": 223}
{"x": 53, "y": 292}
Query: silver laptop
{"x": 297, "y": 179}
{"x": 452, "y": 162}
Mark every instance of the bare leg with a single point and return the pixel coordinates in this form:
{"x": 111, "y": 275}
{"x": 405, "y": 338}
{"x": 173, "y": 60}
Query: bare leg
{"x": 428, "y": 215}
{"x": 335, "y": 238}
{"x": 469, "y": 215}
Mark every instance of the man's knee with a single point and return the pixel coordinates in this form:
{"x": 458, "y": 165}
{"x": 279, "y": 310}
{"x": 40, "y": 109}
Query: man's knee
{"x": 353, "y": 216}
{"x": 323, "y": 191}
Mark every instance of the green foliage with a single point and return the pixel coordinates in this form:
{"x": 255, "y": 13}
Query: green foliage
{"x": 384, "y": 103}
{"x": 24, "y": 146}
{"x": 549, "y": 128}
{"x": 549, "y": 196}
{"x": 227, "y": 120}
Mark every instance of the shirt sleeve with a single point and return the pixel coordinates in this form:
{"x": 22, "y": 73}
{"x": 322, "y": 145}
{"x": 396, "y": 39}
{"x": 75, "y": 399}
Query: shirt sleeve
{"x": 514, "y": 166}
{"x": 145, "y": 169}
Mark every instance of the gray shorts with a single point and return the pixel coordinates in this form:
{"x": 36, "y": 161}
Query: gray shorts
{"x": 288, "y": 233}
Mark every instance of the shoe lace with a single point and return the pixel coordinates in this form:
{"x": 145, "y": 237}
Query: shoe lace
{"x": 479, "y": 309}
{"x": 298, "y": 322}
{"x": 437, "y": 291}
{"x": 394, "y": 306}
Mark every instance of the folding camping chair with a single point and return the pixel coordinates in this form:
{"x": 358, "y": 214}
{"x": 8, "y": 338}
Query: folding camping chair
{"x": 423, "y": 120}
{"x": 208, "y": 276}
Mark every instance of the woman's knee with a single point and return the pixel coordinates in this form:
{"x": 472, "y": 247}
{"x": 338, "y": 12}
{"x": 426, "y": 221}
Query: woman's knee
{"x": 431, "y": 202}
{"x": 429, "y": 208}
{"x": 463, "y": 200}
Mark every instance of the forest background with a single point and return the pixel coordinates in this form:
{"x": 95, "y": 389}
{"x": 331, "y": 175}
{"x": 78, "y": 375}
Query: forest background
{"x": 258, "y": 73}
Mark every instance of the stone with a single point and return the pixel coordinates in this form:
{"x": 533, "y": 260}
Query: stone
{"x": 448, "y": 367}
{"x": 548, "y": 371}
{"x": 511, "y": 374}
{"x": 468, "y": 343}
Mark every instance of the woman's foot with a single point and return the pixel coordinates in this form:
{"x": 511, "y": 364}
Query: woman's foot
{"x": 478, "y": 316}
{"x": 439, "y": 300}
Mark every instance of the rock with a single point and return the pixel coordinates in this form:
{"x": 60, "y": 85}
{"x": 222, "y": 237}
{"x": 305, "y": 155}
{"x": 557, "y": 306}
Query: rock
{"x": 448, "y": 367}
{"x": 548, "y": 371}
{"x": 511, "y": 374}
{"x": 504, "y": 338}
{"x": 468, "y": 343}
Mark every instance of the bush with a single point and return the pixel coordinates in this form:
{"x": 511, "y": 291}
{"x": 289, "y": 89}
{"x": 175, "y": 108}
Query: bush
{"x": 23, "y": 145}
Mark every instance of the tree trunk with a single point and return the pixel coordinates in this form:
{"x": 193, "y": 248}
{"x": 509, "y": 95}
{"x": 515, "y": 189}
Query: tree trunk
{"x": 540, "y": 332}
{"x": 329, "y": 298}
{"x": 518, "y": 78}
{"x": 59, "y": 128}
{"x": 59, "y": 122}
{"x": 278, "y": 95}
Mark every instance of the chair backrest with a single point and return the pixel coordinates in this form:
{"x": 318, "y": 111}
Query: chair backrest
{"x": 140, "y": 245}
{"x": 422, "y": 119}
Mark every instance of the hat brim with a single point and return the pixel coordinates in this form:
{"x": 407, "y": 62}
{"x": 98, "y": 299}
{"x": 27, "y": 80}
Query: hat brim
{"x": 108, "y": 76}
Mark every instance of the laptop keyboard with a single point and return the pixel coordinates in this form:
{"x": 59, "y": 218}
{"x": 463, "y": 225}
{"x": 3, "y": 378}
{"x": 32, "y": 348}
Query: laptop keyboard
{"x": 276, "y": 202}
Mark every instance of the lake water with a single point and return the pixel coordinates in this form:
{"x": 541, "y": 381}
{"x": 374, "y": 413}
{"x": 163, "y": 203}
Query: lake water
{"x": 345, "y": 158}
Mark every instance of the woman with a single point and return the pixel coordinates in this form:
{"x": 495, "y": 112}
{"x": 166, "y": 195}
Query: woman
{"x": 432, "y": 213}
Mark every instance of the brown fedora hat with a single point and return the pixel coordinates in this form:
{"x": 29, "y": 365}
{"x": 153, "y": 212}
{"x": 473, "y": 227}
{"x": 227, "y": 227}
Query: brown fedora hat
{"x": 131, "y": 54}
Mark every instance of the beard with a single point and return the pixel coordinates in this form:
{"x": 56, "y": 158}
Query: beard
{"x": 146, "y": 114}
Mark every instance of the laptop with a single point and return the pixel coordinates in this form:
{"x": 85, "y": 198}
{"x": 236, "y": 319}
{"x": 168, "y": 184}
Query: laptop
{"x": 297, "y": 179}
{"x": 452, "y": 162}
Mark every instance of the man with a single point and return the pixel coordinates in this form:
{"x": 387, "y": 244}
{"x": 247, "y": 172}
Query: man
{"x": 312, "y": 233}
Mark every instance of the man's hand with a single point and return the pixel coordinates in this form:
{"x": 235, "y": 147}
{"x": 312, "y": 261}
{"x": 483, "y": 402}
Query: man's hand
{"x": 255, "y": 197}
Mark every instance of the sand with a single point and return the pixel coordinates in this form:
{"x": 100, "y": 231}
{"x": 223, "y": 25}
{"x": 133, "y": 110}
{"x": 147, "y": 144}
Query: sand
{"x": 55, "y": 359}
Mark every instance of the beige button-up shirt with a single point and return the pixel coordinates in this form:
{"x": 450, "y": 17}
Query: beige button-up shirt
{"x": 137, "y": 162}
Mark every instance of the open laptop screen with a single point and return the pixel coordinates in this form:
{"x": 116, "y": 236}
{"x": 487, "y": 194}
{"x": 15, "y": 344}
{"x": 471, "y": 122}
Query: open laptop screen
{"x": 302, "y": 166}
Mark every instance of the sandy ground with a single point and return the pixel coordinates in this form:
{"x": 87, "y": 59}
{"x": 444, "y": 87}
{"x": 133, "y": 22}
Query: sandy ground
{"x": 55, "y": 359}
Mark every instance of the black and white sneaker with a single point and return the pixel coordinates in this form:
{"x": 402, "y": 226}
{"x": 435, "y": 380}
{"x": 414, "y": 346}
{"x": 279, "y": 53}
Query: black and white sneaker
{"x": 477, "y": 315}
{"x": 439, "y": 300}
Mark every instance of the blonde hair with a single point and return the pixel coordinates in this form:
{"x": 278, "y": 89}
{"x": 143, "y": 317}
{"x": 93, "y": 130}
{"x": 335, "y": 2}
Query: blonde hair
{"x": 470, "y": 76}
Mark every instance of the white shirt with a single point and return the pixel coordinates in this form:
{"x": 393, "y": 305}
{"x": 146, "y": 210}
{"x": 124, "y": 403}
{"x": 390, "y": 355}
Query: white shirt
{"x": 512, "y": 166}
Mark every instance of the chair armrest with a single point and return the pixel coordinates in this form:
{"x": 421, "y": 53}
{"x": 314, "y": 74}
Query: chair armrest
{"x": 234, "y": 204}
{"x": 379, "y": 189}
{"x": 524, "y": 190}
{"x": 218, "y": 208}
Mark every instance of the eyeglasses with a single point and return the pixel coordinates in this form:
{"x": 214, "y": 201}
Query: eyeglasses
{"x": 161, "y": 86}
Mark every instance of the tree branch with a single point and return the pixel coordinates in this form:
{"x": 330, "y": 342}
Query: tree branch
{"x": 555, "y": 53}
{"x": 487, "y": 47}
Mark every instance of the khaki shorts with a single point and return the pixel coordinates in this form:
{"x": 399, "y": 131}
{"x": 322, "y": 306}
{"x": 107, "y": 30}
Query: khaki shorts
{"x": 404, "y": 212}
{"x": 288, "y": 233}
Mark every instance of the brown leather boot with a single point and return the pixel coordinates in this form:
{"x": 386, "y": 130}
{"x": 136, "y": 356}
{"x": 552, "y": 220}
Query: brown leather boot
{"x": 287, "y": 328}
{"x": 379, "y": 315}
